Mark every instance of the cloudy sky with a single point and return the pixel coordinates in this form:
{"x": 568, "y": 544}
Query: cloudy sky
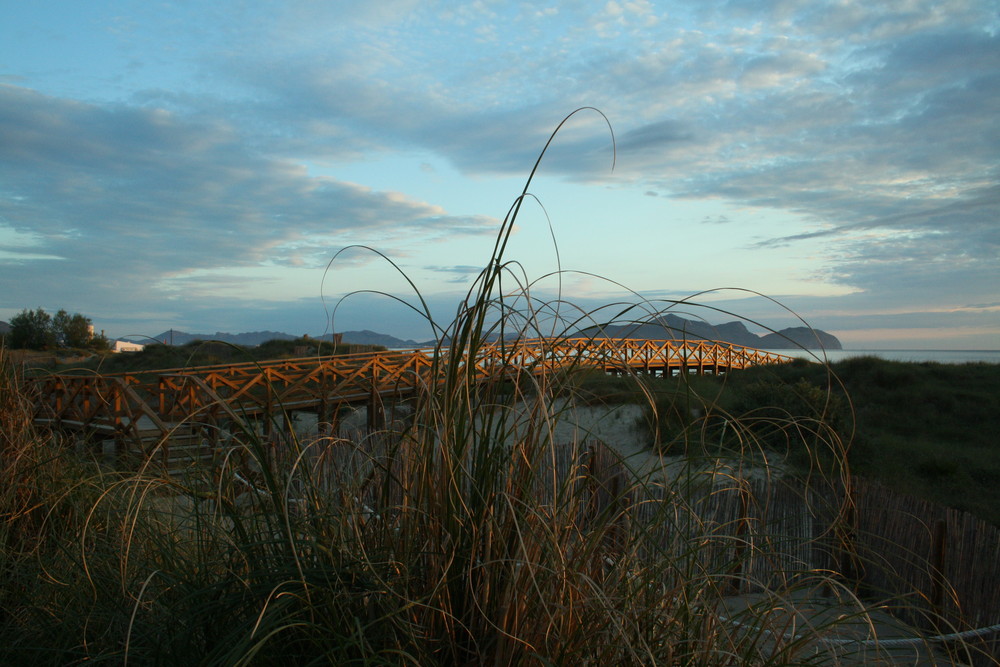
{"x": 197, "y": 166}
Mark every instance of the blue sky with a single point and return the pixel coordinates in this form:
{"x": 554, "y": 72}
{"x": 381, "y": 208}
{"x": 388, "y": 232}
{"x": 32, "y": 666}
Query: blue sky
{"x": 196, "y": 166}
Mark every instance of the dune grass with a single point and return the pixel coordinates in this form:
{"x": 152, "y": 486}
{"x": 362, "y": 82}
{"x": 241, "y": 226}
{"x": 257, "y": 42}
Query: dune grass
{"x": 465, "y": 536}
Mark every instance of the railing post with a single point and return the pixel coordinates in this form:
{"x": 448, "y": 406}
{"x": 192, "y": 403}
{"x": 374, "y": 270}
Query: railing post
{"x": 267, "y": 427}
{"x": 60, "y": 392}
{"x": 376, "y": 411}
{"x": 116, "y": 415}
{"x": 86, "y": 401}
{"x": 161, "y": 390}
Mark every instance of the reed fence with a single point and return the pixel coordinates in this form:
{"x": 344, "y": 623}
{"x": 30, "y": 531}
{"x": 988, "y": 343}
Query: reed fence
{"x": 935, "y": 568}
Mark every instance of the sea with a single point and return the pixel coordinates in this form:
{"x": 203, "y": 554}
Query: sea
{"x": 833, "y": 356}
{"x": 938, "y": 356}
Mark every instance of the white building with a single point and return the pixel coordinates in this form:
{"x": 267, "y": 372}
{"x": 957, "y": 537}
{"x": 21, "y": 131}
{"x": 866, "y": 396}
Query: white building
{"x": 126, "y": 346}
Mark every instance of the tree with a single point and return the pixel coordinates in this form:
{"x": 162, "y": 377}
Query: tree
{"x": 37, "y": 330}
{"x": 72, "y": 330}
{"x": 32, "y": 329}
{"x": 99, "y": 343}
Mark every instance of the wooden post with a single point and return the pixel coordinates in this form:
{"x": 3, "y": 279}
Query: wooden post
{"x": 322, "y": 417}
{"x": 161, "y": 392}
{"x": 268, "y": 427}
{"x": 376, "y": 411}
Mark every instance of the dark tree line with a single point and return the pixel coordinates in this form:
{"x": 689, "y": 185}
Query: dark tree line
{"x": 37, "y": 330}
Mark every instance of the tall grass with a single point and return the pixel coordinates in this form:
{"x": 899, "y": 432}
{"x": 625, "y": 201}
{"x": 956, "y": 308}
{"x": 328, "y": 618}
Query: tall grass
{"x": 465, "y": 535}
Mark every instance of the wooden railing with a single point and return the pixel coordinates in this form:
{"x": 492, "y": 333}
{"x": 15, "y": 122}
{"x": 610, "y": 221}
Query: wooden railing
{"x": 130, "y": 404}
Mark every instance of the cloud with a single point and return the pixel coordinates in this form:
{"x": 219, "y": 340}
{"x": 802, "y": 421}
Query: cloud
{"x": 656, "y": 136}
{"x": 873, "y": 128}
{"x": 772, "y": 70}
{"x": 127, "y": 195}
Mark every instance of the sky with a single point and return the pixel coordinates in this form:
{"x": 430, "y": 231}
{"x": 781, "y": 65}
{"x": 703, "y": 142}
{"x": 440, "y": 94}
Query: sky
{"x": 240, "y": 166}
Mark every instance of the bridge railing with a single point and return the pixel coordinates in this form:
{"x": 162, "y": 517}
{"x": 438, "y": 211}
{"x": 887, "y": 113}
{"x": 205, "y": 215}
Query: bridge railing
{"x": 127, "y": 403}
{"x": 628, "y": 353}
{"x": 110, "y": 405}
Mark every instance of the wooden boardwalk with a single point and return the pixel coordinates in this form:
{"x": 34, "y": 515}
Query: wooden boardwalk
{"x": 147, "y": 406}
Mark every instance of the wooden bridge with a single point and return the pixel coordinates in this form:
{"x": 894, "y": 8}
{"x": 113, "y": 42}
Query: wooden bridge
{"x": 147, "y": 408}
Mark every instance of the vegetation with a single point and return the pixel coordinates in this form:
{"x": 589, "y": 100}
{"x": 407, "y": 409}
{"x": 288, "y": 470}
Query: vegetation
{"x": 37, "y": 330}
{"x": 924, "y": 429}
{"x": 468, "y": 536}
{"x": 208, "y": 353}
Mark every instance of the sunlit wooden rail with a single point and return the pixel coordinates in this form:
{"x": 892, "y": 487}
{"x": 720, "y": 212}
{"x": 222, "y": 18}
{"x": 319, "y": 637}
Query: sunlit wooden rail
{"x": 149, "y": 406}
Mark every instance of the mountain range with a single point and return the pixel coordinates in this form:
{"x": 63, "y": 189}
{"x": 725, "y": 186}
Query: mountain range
{"x": 675, "y": 327}
{"x": 668, "y": 326}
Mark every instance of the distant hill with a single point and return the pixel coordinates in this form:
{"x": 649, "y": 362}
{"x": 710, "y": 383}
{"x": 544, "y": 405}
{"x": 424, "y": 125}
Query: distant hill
{"x": 673, "y": 326}
{"x": 4, "y": 328}
{"x": 669, "y": 326}
{"x": 799, "y": 337}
